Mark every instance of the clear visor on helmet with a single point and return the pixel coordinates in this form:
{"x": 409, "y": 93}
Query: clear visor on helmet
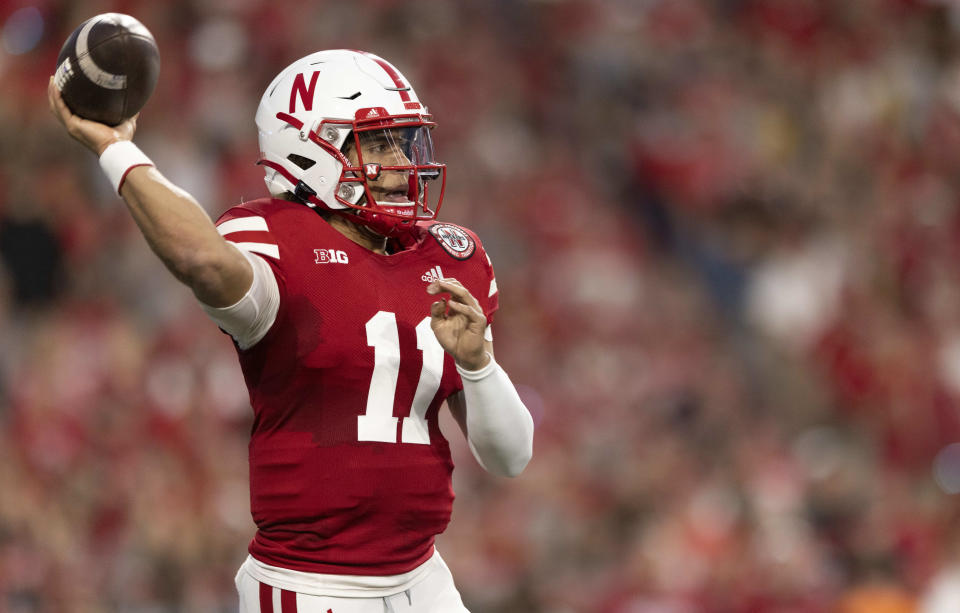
{"x": 396, "y": 146}
{"x": 395, "y": 166}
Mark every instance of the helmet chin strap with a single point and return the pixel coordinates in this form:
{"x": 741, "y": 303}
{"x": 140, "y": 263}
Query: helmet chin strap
{"x": 389, "y": 240}
{"x": 383, "y": 225}
{"x": 361, "y": 227}
{"x": 379, "y": 226}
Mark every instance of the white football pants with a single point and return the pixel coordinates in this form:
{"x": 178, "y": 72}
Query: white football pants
{"x": 436, "y": 593}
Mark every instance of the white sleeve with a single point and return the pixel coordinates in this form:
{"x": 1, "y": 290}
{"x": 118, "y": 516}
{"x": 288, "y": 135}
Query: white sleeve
{"x": 250, "y": 318}
{"x": 499, "y": 426}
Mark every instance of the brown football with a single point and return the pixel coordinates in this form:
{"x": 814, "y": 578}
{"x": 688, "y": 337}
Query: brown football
{"x": 108, "y": 68}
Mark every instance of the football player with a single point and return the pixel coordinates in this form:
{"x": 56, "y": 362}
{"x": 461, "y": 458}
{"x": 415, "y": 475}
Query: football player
{"x": 355, "y": 315}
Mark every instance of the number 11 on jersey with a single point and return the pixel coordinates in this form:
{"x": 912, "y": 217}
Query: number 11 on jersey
{"x": 378, "y": 422}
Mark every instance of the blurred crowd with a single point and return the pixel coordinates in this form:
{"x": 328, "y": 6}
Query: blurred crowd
{"x": 726, "y": 234}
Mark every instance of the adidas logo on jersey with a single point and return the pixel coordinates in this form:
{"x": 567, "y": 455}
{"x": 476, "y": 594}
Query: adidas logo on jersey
{"x": 434, "y": 274}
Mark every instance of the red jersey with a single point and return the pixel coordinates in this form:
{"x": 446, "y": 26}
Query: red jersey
{"x": 349, "y": 472}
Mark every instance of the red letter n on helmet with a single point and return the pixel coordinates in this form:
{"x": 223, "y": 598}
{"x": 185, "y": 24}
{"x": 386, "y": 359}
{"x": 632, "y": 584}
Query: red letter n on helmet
{"x": 305, "y": 93}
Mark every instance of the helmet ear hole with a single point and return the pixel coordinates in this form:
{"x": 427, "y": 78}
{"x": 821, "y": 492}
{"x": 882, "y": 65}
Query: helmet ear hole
{"x": 303, "y": 193}
{"x": 303, "y": 162}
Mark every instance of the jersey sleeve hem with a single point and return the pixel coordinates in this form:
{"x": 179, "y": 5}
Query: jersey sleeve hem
{"x": 250, "y": 318}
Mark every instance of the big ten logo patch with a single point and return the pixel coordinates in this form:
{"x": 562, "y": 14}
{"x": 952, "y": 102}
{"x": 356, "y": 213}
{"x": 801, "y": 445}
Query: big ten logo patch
{"x": 331, "y": 256}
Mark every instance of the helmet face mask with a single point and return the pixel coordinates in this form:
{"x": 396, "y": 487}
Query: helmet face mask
{"x": 343, "y": 131}
{"x": 393, "y": 171}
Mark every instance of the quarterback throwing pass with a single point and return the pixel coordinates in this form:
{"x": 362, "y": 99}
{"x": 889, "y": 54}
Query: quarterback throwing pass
{"x": 355, "y": 315}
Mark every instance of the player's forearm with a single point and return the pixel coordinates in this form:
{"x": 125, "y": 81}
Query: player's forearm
{"x": 183, "y": 236}
{"x": 499, "y": 427}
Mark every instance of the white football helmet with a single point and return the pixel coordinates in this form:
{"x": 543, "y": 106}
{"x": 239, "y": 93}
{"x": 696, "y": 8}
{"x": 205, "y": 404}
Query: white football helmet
{"x": 344, "y": 131}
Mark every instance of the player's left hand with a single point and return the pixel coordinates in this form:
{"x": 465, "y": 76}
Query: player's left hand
{"x": 459, "y": 324}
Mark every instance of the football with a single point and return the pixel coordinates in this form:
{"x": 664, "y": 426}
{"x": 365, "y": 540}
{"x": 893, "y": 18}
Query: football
{"x": 108, "y": 68}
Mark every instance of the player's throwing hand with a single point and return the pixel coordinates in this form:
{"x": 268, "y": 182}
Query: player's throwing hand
{"x": 92, "y": 135}
{"x": 459, "y": 324}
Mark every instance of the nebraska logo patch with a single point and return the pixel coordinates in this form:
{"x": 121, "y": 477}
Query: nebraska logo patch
{"x": 454, "y": 240}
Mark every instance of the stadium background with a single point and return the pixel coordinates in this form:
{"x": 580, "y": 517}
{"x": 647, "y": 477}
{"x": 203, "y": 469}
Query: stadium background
{"x": 726, "y": 235}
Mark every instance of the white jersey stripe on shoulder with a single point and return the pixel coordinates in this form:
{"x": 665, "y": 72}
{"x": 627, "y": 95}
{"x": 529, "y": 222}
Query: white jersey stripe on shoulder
{"x": 264, "y": 248}
{"x": 243, "y": 224}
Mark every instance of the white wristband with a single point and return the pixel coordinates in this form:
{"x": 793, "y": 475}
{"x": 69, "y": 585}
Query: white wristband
{"x": 120, "y": 158}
